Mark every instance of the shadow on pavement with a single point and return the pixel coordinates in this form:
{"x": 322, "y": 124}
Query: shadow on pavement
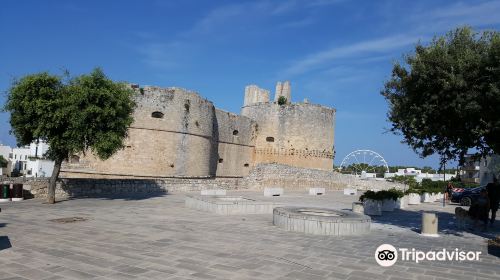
{"x": 446, "y": 223}
{"x": 124, "y": 189}
{"x": 4, "y": 243}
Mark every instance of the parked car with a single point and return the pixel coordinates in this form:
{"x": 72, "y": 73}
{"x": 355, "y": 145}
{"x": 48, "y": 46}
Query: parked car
{"x": 466, "y": 196}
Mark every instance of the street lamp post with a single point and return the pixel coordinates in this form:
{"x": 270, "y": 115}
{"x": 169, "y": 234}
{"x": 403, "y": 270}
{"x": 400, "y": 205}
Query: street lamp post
{"x": 444, "y": 181}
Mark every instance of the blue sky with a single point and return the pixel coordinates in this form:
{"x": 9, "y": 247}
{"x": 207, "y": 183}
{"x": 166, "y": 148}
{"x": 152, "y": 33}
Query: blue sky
{"x": 337, "y": 53}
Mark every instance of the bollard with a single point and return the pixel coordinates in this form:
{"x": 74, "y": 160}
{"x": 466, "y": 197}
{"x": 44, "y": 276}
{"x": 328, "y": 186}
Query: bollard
{"x": 17, "y": 192}
{"x": 5, "y": 193}
{"x": 429, "y": 224}
{"x": 273, "y": 191}
{"x": 316, "y": 191}
{"x": 357, "y": 207}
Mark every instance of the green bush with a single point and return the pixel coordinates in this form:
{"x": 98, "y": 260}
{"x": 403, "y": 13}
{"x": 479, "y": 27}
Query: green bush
{"x": 3, "y": 162}
{"x": 393, "y": 194}
{"x": 413, "y": 190}
{"x": 282, "y": 100}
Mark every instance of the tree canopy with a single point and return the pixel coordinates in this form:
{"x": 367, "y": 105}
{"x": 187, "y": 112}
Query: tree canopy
{"x": 445, "y": 97}
{"x": 88, "y": 113}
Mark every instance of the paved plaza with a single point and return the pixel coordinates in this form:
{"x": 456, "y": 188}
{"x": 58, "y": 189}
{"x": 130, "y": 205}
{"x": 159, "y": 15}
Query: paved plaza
{"x": 157, "y": 237}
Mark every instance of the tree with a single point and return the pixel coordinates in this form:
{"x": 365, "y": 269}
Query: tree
{"x": 445, "y": 97}
{"x": 3, "y": 162}
{"x": 282, "y": 100}
{"x": 88, "y": 113}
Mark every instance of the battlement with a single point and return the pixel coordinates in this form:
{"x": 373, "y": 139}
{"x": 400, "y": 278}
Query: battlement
{"x": 283, "y": 89}
{"x": 255, "y": 94}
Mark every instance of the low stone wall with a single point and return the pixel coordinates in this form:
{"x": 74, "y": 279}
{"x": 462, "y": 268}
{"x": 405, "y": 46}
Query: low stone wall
{"x": 30, "y": 185}
{"x": 262, "y": 176}
{"x": 294, "y": 178}
{"x": 127, "y": 187}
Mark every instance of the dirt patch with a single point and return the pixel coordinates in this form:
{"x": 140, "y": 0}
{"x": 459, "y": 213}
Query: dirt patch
{"x": 69, "y": 220}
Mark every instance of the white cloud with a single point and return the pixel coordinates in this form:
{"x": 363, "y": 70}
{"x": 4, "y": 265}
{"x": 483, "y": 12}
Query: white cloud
{"x": 164, "y": 55}
{"x": 421, "y": 26}
{"x": 169, "y": 54}
{"x": 325, "y": 57}
{"x": 446, "y": 18}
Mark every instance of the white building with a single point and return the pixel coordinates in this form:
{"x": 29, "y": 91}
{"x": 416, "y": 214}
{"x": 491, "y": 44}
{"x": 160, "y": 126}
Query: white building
{"x": 30, "y": 161}
{"x": 6, "y": 153}
{"x": 39, "y": 165}
{"x": 418, "y": 175}
{"x": 20, "y": 157}
{"x": 489, "y": 167}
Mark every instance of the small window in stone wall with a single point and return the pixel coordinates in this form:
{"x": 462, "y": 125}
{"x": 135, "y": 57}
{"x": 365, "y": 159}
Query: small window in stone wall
{"x": 235, "y": 132}
{"x": 74, "y": 159}
{"x": 157, "y": 115}
{"x": 270, "y": 139}
{"x": 246, "y": 165}
{"x": 221, "y": 160}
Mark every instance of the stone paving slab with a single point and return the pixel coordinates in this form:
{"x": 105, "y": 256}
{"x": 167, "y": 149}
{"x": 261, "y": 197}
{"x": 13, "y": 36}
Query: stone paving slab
{"x": 159, "y": 238}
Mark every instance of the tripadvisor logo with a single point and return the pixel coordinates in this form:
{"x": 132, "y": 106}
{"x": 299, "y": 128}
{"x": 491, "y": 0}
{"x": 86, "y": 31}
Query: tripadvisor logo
{"x": 387, "y": 255}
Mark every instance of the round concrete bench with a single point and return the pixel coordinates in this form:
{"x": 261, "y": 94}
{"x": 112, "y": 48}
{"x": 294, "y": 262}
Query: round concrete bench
{"x": 321, "y": 221}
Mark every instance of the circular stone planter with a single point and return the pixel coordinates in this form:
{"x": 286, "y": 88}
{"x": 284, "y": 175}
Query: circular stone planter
{"x": 321, "y": 221}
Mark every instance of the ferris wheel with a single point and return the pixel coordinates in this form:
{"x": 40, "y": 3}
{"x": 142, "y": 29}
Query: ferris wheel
{"x": 363, "y": 161}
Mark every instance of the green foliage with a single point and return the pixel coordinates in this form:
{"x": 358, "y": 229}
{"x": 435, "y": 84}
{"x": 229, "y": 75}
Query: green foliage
{"x": 413, "y": 190}
{"x": 86, "y": 113}
{"x": 407, "y": 180}
{"x": 3, "y": 162}
{"x": 369, "y": 195}
{"x": 393, "y": 194}
{"x": 282, "y": 100}
{"x": 427, "y": 185}
{"x": 89, "y": 112}
{"x": 445, "y": 97}
{"x": 379, "y": 170}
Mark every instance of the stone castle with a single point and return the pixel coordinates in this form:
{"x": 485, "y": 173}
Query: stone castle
{"x": 178, "y": 133}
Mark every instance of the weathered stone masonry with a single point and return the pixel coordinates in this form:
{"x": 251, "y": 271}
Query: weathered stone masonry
{"x": 176, "y": 133}
{"x": 263, "y": 175}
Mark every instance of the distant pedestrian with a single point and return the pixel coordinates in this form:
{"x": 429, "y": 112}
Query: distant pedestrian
{"x": 494, "y": 196}
{"x": 448, "y": 191}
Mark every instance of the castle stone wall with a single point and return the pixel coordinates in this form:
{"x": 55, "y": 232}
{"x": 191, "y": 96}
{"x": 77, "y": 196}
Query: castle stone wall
{"x": 172, "y": 135}
{"x": 236, "y": 144}
{"x": 297, "y": 134}
{"x": 283, "y": 89}
{"x": 255, "y": 94}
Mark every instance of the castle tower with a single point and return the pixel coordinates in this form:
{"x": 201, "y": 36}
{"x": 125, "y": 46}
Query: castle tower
{"x": 283, "y": 89}
{"x": 254, "y": 94}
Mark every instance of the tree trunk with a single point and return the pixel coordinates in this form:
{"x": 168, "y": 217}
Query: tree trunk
{"x": 51, "y": 191}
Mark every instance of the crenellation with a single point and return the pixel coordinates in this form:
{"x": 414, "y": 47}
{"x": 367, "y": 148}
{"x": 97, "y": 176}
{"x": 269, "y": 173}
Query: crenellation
{"x": 255, "y": 95}
{"x": 283, "y": 89}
